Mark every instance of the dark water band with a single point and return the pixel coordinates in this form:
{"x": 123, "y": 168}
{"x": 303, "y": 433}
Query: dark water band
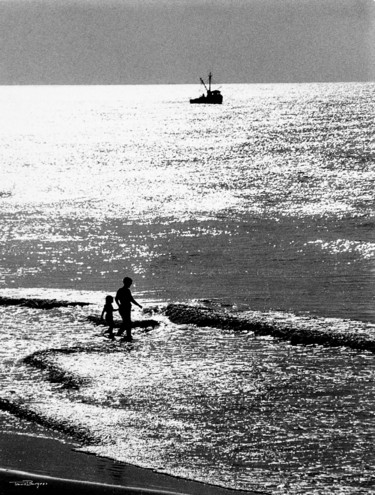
{"x": 142, "y": 324}
{"x": 44, "y": 360}
{"x": 39, "y": 303}
{"x": 298, "y": 334}
{"x": 24, "y": 411}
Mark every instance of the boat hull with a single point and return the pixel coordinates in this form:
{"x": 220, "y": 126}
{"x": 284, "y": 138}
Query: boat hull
{"x": 207, "y": 101}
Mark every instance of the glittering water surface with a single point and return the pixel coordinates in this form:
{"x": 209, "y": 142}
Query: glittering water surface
{"x": 264, "y": 203}
{"x": 217, "y": 406}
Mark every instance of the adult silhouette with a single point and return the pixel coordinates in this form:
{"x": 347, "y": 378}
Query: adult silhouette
{"x": 124, "y": 300}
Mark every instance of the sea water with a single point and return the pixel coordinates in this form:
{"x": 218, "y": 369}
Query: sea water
{"x": 264, "y": 203}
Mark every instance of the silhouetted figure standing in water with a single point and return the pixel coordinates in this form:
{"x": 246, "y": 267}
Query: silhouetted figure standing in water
{"x": 108, "y": 312}
{"x": 124, "y": 300}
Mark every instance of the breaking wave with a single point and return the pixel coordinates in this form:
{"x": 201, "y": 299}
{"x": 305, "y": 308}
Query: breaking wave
{"x": 298, "y": 330}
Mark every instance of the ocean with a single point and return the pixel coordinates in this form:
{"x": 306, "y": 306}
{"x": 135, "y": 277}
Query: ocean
{"x": 262, "y": 204}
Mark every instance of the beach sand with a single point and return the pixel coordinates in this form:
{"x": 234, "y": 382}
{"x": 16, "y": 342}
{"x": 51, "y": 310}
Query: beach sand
{"x": 31, "y": 464}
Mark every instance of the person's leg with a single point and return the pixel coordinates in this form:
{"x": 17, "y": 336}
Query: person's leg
{"x": 128, "y": 324}
{"x": 129, "y": 331}
{"x": 121, "y": 330}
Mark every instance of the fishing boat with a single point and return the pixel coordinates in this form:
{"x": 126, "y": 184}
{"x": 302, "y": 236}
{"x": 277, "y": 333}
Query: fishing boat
{"x": 211, "y": 96}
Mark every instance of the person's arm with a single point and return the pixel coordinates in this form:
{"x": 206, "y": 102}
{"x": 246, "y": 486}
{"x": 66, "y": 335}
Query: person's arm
{"x": 103, "y": 313}
{"x": 117, "y": 299}
{"x": 134, "y": 301}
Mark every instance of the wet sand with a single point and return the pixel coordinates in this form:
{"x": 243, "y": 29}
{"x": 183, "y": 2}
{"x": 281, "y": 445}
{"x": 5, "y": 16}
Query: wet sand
{"x": 31, "y": 464}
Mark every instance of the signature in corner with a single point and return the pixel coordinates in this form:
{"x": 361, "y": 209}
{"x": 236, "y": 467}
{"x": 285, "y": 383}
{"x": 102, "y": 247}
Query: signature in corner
{"x": 28, "y": 483}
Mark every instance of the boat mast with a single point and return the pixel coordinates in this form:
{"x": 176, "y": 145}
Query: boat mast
{"x": 209, "y": 81}
{"x": 205, "y": 87}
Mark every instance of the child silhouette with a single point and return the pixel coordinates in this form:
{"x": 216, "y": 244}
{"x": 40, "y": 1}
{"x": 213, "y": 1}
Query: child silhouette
{"x": 108, "y": 312}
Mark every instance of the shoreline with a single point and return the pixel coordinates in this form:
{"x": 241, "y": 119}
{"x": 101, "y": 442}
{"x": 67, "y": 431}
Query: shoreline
{"x": 52, "y": 466}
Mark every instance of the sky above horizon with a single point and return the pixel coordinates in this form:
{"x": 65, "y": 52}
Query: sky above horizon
{"x": 178, "y": 41}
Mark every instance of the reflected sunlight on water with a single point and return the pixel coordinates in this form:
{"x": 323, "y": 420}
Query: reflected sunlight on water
{"x": 264, "y": 203}
{"x": 217, "y": 406}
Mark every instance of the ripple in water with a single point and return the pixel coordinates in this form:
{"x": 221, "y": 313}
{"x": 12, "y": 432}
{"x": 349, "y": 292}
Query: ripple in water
{"x": 216, "y": 406}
